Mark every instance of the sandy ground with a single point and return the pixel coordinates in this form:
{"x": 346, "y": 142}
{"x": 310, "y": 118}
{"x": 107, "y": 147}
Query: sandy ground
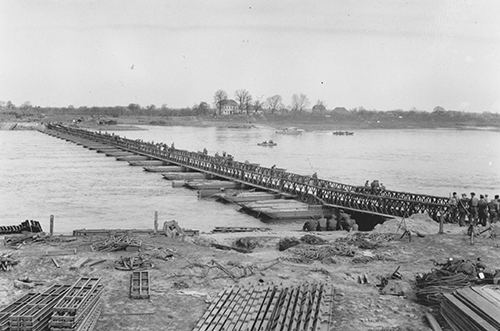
{"x": 358, "y": 307}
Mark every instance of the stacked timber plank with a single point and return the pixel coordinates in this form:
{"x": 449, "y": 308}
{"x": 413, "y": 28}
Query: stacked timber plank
{"x": 472, "y": 308}
{"x": 32, "y": 311}
{"x": 13, "y": 307}
{"x": 139, "y": 285}
{"x": 303, "y": 307}
{"x": 282, "y": 209}
{"x": 80, "y": 306}
{"x": 28, "y": 225}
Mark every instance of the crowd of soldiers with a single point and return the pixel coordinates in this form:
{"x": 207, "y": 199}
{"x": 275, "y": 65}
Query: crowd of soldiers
{"x": 375, "y": 186}
{"x": 476, "y": 210}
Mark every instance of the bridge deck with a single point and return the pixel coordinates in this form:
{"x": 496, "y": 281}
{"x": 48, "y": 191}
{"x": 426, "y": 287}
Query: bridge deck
{"x": 303, "y": 188}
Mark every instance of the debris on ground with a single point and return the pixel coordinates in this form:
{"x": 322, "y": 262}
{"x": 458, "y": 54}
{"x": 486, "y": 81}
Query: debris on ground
{"x": 7, "y": 262}
{"x": 451, "y": 275}
{"x": 117, "y": 243}
{"x": 133, "y": 263}
{"x": 320, "y": 252}
{"x": 247, "y": 243}
{"x": 18, "y": 241}
{"x": 160, "y": 253}
{"x": 366, "y": 240}
{"x": 420, "y": 224}
{"x": 26, "y": 226}
{"x": 365, "y": 258}
{"x": 173, "y": 230}
{"x": 224, "y": 229}
{"x": 313, "y": 240}
{"x": 472, "y": 308}
{"x": 287, "y": 242}
{"x": 228, "y": 248}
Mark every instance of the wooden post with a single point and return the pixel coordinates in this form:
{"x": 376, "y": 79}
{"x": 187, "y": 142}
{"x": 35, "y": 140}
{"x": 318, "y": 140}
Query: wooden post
{"x": 156, "y": 223}
{"x": 472, "y": 235}
{"x": 51, "y": 225}
{"x": 441, "y": 224}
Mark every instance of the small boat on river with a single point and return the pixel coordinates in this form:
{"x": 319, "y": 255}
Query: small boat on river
{"x": 343, "y": 133}
{"x": 266, "y": 143}
{"x": 293, "y": 131}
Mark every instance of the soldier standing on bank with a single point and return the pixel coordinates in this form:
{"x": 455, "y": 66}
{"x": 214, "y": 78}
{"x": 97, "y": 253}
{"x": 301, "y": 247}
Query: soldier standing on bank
{"x": 453, "y": 203}
{"x": 463, "y": 211}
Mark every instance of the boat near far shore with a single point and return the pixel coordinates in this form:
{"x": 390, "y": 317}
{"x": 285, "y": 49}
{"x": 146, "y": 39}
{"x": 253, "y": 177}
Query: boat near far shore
{"x": 343, "y": 133}
{"x": 266, "y": 143}
{"x": 293, "y": 131}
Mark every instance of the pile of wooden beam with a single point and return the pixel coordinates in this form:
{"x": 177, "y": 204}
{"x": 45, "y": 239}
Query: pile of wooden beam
{"x": 28, "y": 225}
{"x": 472, "y": 308}
{"x": 32, "y": 311}
{"x": 261, "y": 307}
{"x": 79, "y": 308}
{"x": 139, "y": 285}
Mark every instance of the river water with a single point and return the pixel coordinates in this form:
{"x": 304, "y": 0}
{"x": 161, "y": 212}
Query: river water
{"x": 41, "y": 175}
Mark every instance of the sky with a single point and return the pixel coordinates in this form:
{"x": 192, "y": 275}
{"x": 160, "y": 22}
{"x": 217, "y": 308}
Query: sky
{"x": 379, "y": 54}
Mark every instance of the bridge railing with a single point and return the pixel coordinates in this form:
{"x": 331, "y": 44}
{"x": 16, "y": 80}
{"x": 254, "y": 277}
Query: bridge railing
{"x": 305, "y": 188}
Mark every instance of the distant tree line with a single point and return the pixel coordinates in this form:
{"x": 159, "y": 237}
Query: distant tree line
{"x": 272, "y": 107}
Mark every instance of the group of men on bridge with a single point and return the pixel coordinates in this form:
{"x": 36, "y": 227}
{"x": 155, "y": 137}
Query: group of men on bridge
{"x": 476, "y": 210}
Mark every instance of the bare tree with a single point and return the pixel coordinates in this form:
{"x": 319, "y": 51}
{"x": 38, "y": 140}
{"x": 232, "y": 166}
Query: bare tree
{"x": 257, "y": 105}
{"x": 319, "y": 107}
{"x": 274, "y": 103}
{"x": 299, "y": 102}
{"x": 244, "y": 99}
{"x": 219, "y": 97}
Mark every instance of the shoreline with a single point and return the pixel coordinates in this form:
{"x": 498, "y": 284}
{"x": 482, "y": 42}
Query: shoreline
{"x": 134, "y": 123}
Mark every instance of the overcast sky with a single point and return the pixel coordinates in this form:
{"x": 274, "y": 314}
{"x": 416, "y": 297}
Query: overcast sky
{"x": 378, "y": 54}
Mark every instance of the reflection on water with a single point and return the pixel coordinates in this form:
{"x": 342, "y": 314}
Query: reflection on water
{"x": 41, "y": 175}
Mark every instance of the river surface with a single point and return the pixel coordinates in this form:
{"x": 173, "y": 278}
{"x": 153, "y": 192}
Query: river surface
{"x": 41, "y": 175}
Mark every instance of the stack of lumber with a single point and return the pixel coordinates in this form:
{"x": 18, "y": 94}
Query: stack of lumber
{"x": 472, "y": 308}
{"x": 32, "y": 311}
{"x": 80, "y": 306}
{"x": 28, "y": 226}
{"x": 261, "y": 307}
